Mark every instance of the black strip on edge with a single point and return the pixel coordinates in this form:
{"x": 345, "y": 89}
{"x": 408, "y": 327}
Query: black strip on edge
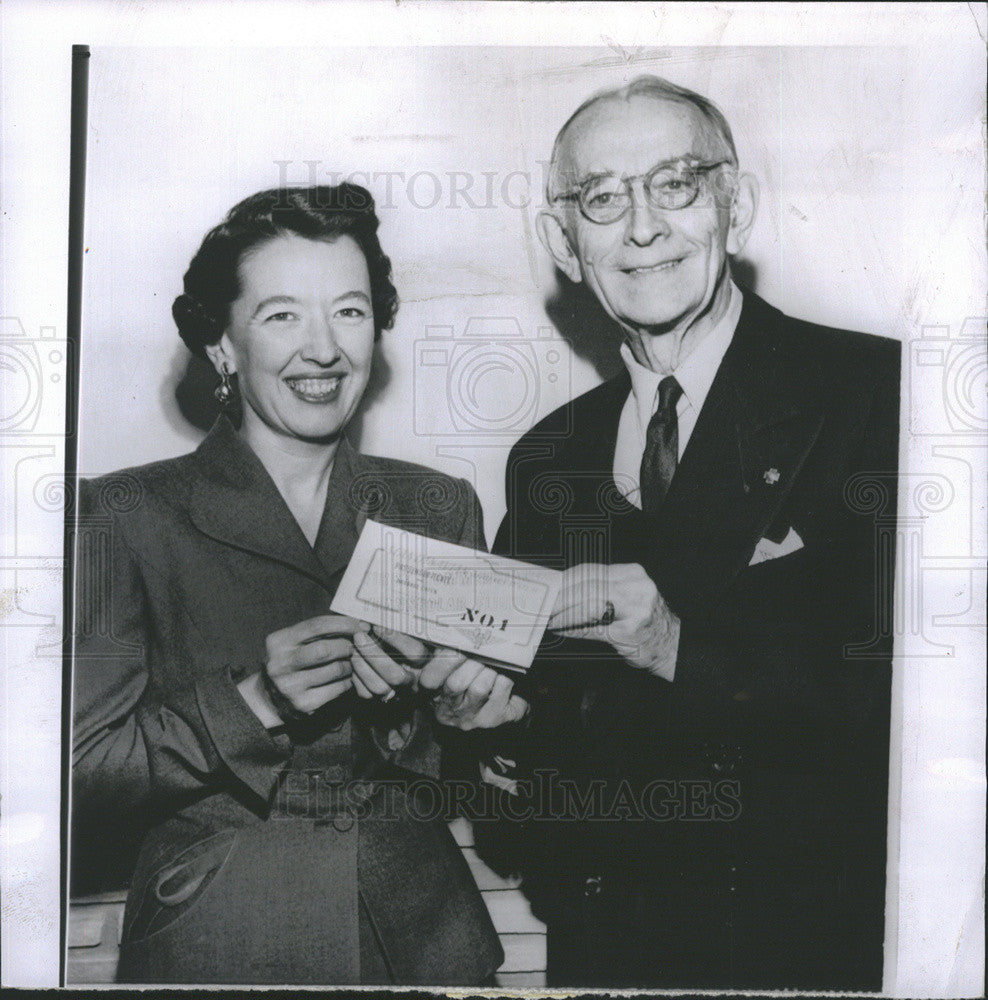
{"x": 73, "y": 331}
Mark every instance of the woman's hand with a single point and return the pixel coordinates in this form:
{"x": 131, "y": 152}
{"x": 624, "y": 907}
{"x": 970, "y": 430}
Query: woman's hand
{"x": 307, "y": 665}
{"x": 468, "y": 694}
{"x": 385, "y": 661}
{"x": 620, "y": 605}
{"x": 465, "y": 694}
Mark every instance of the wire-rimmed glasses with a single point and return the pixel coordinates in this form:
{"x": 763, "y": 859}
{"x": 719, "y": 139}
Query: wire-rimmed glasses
{"x": 672, "y": 185}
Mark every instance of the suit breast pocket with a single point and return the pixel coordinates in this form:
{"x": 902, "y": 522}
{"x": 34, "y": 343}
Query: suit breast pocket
{"x": 768, "y": 550}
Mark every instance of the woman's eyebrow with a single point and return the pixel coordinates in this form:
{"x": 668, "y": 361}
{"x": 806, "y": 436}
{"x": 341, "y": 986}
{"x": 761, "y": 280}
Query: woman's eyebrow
{"x": 274, "y": 300}
{"x": 354, "y": 293}
{"x": 281, "y": 300}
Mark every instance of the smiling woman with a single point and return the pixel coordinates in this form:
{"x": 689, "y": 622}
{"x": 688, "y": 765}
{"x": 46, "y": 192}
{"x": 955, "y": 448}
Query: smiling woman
{"x": 257, "y": 749}
{"x": 300, "y": 338}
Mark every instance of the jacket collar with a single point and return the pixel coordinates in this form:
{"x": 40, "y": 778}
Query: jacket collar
{"x": 235, "y": 501}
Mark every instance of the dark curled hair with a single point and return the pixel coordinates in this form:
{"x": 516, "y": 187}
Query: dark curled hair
{"x": 212, "y": 281}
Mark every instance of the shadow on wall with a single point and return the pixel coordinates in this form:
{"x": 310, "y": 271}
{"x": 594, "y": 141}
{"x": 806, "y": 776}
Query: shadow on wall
{"x": 194, "y": 381}
{"x": 591, "y": 333}
{"x": 581, "y": 321}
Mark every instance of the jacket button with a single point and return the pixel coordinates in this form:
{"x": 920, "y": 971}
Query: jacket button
{"x": 592, "y": 886}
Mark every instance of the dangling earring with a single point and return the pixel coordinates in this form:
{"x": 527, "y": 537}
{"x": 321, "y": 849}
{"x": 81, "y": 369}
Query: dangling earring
{"x": 224, "y": 391}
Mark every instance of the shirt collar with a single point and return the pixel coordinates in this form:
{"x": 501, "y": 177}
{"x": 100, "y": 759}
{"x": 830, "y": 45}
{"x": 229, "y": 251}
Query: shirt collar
{"x": 696, "y": 373}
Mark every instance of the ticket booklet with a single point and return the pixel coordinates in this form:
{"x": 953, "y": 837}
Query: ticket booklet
{"x": 492, "y": 608}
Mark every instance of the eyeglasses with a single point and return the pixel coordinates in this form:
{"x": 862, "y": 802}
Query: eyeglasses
{"x": 607, "y": 197}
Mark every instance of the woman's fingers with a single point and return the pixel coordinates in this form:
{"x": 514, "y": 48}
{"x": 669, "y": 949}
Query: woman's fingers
{"x": 323, "y": 626}
{"x": 443, "y": 662}
{"x": 308, "y": 664}
{"x": 478, "y": 699}
{"x": 303, "y": 680}
{"x": 479, "y": 688}
{"x": 412, "y": 650}
{"x": 458, "y": 682}
{"x": 319, "y": 651}
{"x": 358, "y": 685}
{"x": 488, "y": 699}
{"x": 516, "y": 710}
{"x": 391, "y": 673}
{"x": 369, "y": 676}
{"x": 314, "y": 698}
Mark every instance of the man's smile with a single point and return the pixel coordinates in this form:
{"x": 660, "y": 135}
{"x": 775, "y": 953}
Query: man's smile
{"x": 664, "y": 265}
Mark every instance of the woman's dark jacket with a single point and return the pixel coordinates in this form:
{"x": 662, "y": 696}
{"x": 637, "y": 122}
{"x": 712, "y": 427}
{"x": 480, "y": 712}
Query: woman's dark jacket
{"x": 295, "y": 856}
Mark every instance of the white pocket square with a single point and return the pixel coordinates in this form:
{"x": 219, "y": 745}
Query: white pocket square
{"x": 767, "y": 549}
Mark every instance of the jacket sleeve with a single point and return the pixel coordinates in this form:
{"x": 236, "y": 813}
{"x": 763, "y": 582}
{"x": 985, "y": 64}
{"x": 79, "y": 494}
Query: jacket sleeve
{"x": 136, "y": 749}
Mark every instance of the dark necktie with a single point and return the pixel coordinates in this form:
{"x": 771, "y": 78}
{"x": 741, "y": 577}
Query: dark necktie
{"x": 661, "y": 447}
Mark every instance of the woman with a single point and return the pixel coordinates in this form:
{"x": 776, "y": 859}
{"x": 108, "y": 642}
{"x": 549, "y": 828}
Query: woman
{"x": 216, "y": 697}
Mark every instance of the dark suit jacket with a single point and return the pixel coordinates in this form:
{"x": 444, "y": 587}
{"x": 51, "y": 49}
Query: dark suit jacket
{"x": 252, "y": 868}
{"x": 763, "y": 767}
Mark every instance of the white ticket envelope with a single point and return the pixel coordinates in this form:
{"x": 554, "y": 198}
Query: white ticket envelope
{"x": 492, "y": 608}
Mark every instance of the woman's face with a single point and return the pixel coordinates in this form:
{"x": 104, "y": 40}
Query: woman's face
{"x": 301, "y": 336}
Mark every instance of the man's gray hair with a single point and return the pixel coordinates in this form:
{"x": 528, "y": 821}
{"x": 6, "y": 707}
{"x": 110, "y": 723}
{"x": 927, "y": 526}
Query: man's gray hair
{"x": 647, "y": 86}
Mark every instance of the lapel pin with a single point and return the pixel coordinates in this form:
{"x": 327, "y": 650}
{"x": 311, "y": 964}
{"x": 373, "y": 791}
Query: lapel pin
{"x": 771, "y": 476}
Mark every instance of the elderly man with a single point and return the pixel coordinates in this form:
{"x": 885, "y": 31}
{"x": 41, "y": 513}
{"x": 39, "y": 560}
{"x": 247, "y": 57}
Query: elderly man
{"x": 703, "y": 774}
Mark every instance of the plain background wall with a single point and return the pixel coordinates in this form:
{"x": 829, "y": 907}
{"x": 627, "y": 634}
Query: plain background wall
{"x": 453, "y": 143}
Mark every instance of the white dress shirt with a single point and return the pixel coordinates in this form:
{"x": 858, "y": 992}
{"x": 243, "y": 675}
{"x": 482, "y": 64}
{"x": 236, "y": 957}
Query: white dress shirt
{"x": 695, "y": 375}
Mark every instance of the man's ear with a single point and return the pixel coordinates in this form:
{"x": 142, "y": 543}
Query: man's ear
{"x": 744, "y": 207}
{"x": 555, "y": 240}
{"x": 221, "y": 354}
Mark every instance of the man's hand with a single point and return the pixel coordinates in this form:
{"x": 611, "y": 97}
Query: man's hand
{"x": 621, "y": 606}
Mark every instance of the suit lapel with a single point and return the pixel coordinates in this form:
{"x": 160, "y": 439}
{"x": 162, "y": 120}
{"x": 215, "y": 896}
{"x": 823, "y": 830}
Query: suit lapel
{"x": 759, "y": 422}
{"x": 342, "y": 518}
{"x": 236, "y": 502}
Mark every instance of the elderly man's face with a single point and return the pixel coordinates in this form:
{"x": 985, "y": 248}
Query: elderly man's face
{"x": 654, "y": 269}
